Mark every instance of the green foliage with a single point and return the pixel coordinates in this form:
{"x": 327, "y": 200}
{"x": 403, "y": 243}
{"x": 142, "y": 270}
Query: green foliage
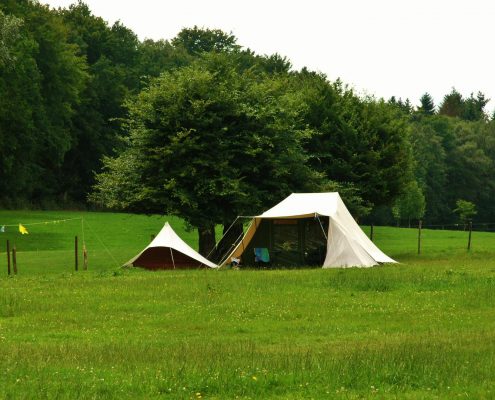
{"x": 470, "y": 109}
{"x": 41, "y": 94}
{"x": 452, "y": 104}
{"x": 454, "y": 159}
{"x": 9, "y": 33}
{"x": 410, "y": 204}
{"x": 427, "y": 106}
{"x": 208, "y": 143}
{"x": 203, "y": 40}
{"x": 66, "y": 76}
{"x": 474, "y": 107}
{"x": 430, "y": 167}
{"x": 404, "y": 106}
{"x": 351, "y": 196}
{"x": 156, "y": 57}
{"x": 359, "y": 141}
{"x": 112, "y": 57}
{"x": 465, "y": 209}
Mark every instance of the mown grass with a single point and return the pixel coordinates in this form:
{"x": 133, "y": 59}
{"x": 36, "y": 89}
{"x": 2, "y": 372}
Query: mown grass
{"x": 422, "y": 329}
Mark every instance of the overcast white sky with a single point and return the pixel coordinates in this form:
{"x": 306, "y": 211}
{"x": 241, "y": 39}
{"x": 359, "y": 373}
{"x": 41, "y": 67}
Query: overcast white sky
{"x": 380, "y": 47}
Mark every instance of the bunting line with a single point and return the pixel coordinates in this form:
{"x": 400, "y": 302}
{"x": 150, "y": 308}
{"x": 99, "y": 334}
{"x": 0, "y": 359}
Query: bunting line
{"x": 55, "y": 221}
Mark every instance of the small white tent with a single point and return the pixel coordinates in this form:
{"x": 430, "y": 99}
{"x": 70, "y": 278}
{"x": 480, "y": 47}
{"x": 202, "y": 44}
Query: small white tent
{"x": 169, "y": 251}
{"x": 346, "y": 244}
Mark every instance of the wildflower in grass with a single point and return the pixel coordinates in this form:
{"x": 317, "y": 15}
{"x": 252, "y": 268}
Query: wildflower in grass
{"x": 254, "y": 378}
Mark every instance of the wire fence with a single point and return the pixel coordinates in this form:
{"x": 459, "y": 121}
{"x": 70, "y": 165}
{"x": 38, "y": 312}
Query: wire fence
{"x": 66, "y": 245}
{"x": 58, "y": 245}
{"x": 476, "y": 226}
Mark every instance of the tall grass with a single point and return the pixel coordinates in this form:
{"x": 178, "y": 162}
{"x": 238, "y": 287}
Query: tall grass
{"x": 422, "y": 329}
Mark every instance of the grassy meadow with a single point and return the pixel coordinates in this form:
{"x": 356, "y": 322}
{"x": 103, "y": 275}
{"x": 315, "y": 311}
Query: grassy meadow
{"x": 422, "y": 329}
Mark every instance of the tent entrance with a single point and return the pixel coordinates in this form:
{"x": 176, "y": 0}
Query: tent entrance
{"x": 165, "y": 258}
{"x": 290, "y": 242}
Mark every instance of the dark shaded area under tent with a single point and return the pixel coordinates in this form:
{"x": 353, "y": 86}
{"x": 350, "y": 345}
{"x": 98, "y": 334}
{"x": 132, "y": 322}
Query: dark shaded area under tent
{"x": 165, "y": 258}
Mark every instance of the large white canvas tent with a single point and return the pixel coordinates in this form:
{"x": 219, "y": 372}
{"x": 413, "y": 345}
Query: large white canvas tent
{"x": 169, "y": 251}
{"x": 308, "y": 229}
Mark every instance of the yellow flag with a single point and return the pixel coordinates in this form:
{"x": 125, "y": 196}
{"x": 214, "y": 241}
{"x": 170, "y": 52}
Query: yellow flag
{"x": 23, "y": 230}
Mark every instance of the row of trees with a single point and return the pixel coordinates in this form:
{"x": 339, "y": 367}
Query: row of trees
{"x": 453, "y": 159}
{"x": 219, "y": 138}
{"x": 203, "y": 128}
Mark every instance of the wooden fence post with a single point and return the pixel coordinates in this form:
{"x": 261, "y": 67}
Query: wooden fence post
{"x": 371, "y": 232}
{"x": 75, "y": 254}
{"x": 419, "y": 236}
{"x": 8, "y": 257}
{"x": 14, "y": 259}
{"x": 470, "y": 230}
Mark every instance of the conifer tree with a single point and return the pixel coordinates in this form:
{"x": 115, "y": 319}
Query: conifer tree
{"x": 427, "y": 106}
{"x": 452, "y": 105}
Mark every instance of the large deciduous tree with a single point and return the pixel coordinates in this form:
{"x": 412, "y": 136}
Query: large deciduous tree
{"x": 208, "y": 142}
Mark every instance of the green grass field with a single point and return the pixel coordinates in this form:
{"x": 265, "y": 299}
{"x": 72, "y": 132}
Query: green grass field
{"x": 422, "y": 329}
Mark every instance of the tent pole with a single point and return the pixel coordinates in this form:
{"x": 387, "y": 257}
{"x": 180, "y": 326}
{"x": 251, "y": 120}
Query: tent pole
{"x": 227, "y": 231}
{"x": 323, "y": 230}
{"x": 225, "y": 234}
{"x": 172, "y": 255}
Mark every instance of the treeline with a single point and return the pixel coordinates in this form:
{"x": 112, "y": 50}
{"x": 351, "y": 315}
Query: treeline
{"x": 64, "y": 78}
{"x": 199, "y": 125}
{"x": 453, "y": 148}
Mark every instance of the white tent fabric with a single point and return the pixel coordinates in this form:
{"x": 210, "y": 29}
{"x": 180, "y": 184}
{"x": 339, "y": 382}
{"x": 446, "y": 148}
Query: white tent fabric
{"x": 347, "y": 244}
{"x": 167, "y": 238}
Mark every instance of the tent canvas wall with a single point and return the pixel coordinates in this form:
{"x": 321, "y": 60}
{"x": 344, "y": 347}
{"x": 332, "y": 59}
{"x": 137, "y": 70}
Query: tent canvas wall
{"x": 309, "y": 229}
{"x": 169, "y": 251}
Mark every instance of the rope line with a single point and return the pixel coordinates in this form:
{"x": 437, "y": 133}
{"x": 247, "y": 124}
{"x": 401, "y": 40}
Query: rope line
{"x": 55, "y": 221}
{"x": 172, "y": 255}
{"x": 224, "y": 257}
{"x": 103, "y": 244}
{"x": 225, "y": 234}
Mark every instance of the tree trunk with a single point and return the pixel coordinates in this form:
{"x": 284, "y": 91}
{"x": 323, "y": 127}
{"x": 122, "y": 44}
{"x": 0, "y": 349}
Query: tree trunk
{"x": 206, "y": 239}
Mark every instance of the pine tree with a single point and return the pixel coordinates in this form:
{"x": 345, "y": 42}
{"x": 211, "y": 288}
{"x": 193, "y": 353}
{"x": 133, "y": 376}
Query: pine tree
{"x": 427, "y": 106}
{"x": 474, "y": 107}
{"x": 452, "y": 105}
